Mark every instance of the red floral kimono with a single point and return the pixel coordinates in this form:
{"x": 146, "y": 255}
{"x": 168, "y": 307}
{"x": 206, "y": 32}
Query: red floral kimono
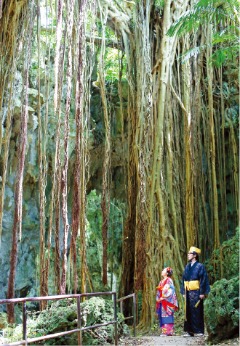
{"x": 166, "y": 307}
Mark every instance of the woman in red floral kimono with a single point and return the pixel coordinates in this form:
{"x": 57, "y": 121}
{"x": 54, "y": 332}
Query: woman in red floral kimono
{"x": 166, "y": 302}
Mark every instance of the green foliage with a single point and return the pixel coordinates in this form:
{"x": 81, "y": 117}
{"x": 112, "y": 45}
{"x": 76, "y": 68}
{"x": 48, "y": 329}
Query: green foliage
{"x": 3, "y": 320}
{"x": 226, "y": 45}
{"x": 225, "y": 40}
{"x": 159, "y": 3}
{"x": 93, "y": 235}
{"x": 112, "y": 65}
{"x": 114, "y": 58}
{"x": 94, "y": 238}
{"x": 226, "y": 258}
{"x": 204, "y": 11}
{"x": 221, "y": 309}
{"x": 62, "y": 316}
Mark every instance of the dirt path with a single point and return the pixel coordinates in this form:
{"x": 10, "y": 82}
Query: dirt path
{"x": 171, "y": 340}
{"x": 158, "y": 341}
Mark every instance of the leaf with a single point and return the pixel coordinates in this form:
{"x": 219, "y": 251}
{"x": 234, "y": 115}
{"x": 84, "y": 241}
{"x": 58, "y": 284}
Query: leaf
{"x": 205, "y": 11}
{"x": 191, "y": 53}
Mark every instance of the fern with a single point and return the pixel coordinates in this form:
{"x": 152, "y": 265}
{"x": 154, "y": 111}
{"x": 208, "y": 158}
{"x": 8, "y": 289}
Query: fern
{"x": 221, "y": 56}
{"x": 205, "y": 11}
{"x": 225, "y": 40}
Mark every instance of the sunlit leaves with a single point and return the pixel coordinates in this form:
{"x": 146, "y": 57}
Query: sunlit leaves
{"x": 112, "y": 65}
{"x": 159, "y": 3}
{"x": 205, "y": 11}
{"x": 94, "y": 237}
{"x": 222, "y": 16}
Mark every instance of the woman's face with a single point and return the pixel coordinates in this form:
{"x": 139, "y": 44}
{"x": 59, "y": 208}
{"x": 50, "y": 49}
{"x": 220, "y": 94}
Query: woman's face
{"x": 164, "y": 272}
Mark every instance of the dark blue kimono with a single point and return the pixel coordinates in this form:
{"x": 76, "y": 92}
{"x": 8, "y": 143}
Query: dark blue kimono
{"x": 194, "y": 319}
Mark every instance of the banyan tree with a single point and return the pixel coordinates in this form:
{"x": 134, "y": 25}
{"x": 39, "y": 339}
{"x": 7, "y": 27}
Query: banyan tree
{"x": 170, "y": 130}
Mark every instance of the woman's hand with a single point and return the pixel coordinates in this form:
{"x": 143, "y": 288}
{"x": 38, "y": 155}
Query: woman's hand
{"x": 202, "y": 296}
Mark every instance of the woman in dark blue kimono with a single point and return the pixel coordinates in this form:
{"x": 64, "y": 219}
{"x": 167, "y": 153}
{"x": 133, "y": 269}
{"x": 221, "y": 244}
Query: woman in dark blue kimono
{"x": 195, "y": 287}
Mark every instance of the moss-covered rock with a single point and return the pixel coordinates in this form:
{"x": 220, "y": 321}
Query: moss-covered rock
{"x": 221, "y": 310}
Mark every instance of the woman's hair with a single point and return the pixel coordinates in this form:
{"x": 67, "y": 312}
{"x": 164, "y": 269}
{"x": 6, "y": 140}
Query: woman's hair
{"x": 169, "y": 271}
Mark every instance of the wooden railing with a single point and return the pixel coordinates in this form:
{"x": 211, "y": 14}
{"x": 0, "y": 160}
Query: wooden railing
{"x": 79, "y": 328}
{"x": 134, "y": 315}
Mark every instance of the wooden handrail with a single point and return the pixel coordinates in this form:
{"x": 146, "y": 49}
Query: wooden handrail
{"x": 78, "y": 330}
{"x": 120, "y": 300}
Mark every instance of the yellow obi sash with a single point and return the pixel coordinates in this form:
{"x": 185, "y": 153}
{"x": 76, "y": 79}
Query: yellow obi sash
{"x": 192, "y": 285}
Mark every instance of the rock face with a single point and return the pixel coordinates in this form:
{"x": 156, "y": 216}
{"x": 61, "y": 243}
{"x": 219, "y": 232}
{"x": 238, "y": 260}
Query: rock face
{"x": 27, "y": 274}
{"x": 29, "y": 243}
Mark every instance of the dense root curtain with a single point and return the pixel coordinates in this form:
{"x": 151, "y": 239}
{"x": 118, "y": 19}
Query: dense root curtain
{"x": 182, "y": 156}
{"x": 171, "y": 134}
{"x": 17, "y": 220}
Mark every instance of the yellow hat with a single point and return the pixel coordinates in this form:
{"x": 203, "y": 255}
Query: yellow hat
{"x": 195, "y": 249}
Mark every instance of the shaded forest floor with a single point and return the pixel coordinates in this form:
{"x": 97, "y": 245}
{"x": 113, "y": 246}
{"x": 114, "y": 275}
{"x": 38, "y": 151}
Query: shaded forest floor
{"x": 156, "y": 340}
{"x": 171, "y": 340}
{"x": 153, "y": 338}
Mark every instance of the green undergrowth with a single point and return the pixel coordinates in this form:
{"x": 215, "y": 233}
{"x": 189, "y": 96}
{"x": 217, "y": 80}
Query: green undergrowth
{"x": 62, "y": 316}
{"x": 224, "y": 262}
{"x": 222, "y": 304}
{"x": 221, "y": 310}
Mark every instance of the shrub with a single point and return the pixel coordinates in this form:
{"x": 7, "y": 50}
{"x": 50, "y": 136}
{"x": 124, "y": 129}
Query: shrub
{"x": 62, "y": 316}
{"x": 224, "y": 262}
{"x": 221, "y": 309}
